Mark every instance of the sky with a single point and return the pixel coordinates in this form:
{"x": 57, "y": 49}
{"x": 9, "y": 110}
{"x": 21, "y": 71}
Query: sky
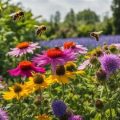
{"x": 49, "y": 7}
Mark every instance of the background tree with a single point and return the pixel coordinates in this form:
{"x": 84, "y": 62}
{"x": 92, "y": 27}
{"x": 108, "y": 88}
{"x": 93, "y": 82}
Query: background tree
{"x": 116, "y": 16}
{"x": 87, "y": 16}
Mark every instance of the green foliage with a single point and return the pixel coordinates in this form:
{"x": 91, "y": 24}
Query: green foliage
{"x": 13, "y": 32}
{"x": 116, "y": 16}
{"x": 88, "y": 17}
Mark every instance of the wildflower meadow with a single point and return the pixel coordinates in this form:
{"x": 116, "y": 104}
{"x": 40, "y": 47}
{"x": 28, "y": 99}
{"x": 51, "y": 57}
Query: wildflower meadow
{"x": 59, "y": 79}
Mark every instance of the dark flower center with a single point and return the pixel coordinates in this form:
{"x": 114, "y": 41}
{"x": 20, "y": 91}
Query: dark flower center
{"x": 25, "y": 65}
{"x": 17, "y": 88}
{"x": 54, "y": 53}
{"x": 38, "y": 79}
{"x": 68, "y": 45}
{"x": 60, "y": 70}
{"x": 70, "y": 67}
{"x": 22, "y": 45}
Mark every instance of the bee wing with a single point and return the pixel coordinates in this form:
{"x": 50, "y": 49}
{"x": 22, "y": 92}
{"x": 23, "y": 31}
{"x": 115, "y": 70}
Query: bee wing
{"x": 99, "y": 32}
{"x": 36, "y": 26}
{"x": 12, "y": 14}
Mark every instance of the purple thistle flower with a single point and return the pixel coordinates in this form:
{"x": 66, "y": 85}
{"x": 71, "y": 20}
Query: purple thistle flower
{"x": 59, "y": 108}
{"x": 110, "y": 62}
{"x": 3, "y": 115}
{"x": 75, "y": 117}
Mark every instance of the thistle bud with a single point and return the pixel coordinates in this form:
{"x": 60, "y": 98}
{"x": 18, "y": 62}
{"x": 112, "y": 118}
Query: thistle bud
{"x": 99, "y": 52}
{"x": 101, "y": 75}
{"x": 113, "y": 49}
{"x": 105, "y": 47}
{"x": 99, "y": 104}
{"x": 38, "y": 100}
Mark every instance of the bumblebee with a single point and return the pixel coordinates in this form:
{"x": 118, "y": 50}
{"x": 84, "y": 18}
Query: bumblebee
{"x": 40, "y": 29}
{"x": 95, "y": 35}
{"x": 17, "y": 15}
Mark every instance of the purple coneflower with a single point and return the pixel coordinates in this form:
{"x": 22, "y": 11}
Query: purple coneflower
{"x": 74, "y": 47}
{"x": 23, "y": 48}
{"x": 3, "y": 115}
{"x": 25, "y": 68}
{"x": 54, "y": 56}
{"x": 59, "y": 108}
{"x": 75, "y": 117}
{"x": 110, "y": 62}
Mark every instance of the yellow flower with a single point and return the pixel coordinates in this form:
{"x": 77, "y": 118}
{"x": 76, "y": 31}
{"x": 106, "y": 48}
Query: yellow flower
{"x": 62, "y": 76}
{"x": 17, "y": 91}
{"x": 95, "y": 52}
{"x": 72, "y": 68}
{"x": 43, "y": 117}
{"x": 38, "y": 82}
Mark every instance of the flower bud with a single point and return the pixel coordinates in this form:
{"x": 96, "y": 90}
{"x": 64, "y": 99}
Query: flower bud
{"x": 101, "y": 75}
{"x": 99, "y": 104}
{"x": 38, "y": 100}
{"x": 113, "y": 49}
{"x": 99, "y": 52}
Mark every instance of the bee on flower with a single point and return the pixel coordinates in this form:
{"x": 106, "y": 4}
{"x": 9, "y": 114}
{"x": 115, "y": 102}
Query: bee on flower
{"x": 23, "y": 48}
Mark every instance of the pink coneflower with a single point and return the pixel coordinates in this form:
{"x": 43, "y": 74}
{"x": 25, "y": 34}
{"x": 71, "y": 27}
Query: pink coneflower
{"x": 75, "y": 117}
{"x": 23, "y": 48}
{"x": 54, "y": 56}
{"x": 25, "y": 68}
{"x": 84, "y": 65}
{"x": 3, "y": 115}
{"x": 74, "y": 47}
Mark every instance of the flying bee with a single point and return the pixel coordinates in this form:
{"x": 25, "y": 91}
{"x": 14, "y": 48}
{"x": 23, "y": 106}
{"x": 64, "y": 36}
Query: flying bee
{"x": 95, "y": 35}
{"x": 40, "y": 29}
{"x": 17, "y": 15}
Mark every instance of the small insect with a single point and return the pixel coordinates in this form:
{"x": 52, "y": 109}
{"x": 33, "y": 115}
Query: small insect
{"x": 95, "y": 35}
{"x": 40, "y": 29}
{"x": 17, "y": 15}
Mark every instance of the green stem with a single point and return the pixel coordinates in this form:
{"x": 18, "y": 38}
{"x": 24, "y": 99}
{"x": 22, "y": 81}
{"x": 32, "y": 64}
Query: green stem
{"x": 63, "y": 91}
{"x": 41, "y": 102}
{"x": 20, "y": 110}
{"x": 108, "y": 100}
